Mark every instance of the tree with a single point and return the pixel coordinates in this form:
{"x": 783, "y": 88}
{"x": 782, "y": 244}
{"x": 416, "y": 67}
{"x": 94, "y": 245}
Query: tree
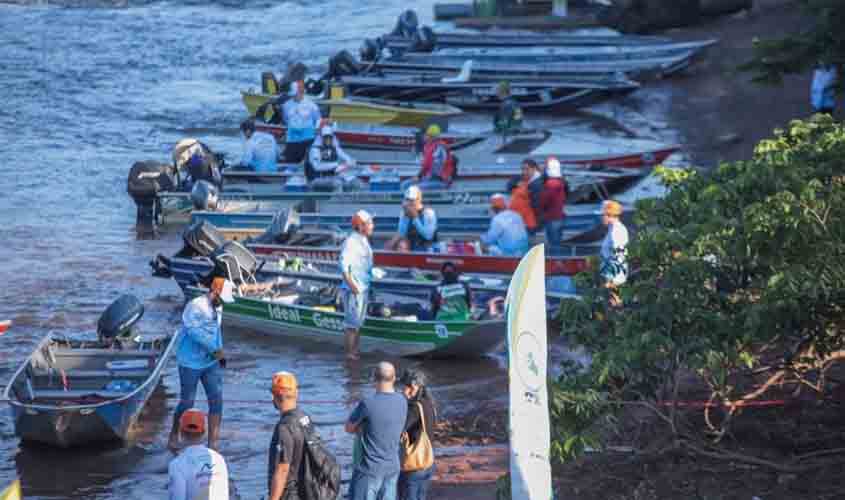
{"x": 737, "y": 290}
{"x": 823, "y": 42}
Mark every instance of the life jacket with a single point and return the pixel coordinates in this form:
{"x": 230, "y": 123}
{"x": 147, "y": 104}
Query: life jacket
{"x": 447, "y": 171}
{"x": 521, "y": 204}
{"x": 418, "y": 242}
{"x": 454, "y": 303}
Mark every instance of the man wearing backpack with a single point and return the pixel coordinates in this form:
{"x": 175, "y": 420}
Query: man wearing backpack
{"x": 299, "y": 467}
{"x": 380, "y": 419}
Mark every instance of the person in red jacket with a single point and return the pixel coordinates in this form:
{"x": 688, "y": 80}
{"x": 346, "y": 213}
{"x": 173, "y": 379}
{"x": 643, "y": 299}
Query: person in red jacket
{"x": 552, "y": 202}
{"x": 438, "y": 164}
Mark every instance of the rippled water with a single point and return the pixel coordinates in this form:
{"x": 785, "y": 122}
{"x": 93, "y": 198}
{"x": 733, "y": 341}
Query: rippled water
{"x": 89, "y": 90}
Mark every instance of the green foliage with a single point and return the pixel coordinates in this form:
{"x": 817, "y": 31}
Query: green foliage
{"x": 749, "y": 255}
{"x": 822, "y": 42}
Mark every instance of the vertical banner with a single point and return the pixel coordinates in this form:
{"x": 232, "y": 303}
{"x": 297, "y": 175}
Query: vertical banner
{"x": 12, "y": 492}
{"x": 531, "y": 475}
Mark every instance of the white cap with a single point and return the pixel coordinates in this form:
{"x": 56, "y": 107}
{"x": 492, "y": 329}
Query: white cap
{"x": 361, "y": 217}
{"x": 413, "y": 193}
{"x": 293, "y": 89}
{"x": 227, "y": 294}
{"x": 553, "y": 168}
{"x": 326, "y": 130}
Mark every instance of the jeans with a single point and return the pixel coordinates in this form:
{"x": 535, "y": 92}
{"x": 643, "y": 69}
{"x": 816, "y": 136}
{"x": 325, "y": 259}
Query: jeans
{"x": 414, "y": 485}
{"x": 371, "y": 487}
{"x": 554, "y": 235}
{"x": 212, "y": 381}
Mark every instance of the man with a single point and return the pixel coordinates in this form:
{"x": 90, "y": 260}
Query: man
{"x": 201, "y": 358}
{"x": 417, "y": 224}
{"x": 614, "y": 251}
{"x": 287, "y": 447}
{"x": 438, "y": 164}
{"x": 508, "y": 118}
{"x": 507, "y": 234}
{"x": 451, "y": 300}
{"x": 302, "y": 118}
{"x": 356, "y": 267}
{"x": 552, "y": 203}
{"x": 525, "y": 192}
{"x": 380, "y": 420}
{"x": 823, "y": 89}
{"x": 198, "y": 473}
{"x": 326, "y": 156}
{"x": 261, "y": 152}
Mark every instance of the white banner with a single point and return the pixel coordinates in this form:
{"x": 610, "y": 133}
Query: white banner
{"x": 531, "y": 475}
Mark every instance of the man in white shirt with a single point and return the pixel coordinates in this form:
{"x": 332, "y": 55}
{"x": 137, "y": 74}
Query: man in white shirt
{"x": 614, "y": 251}
{"x": 261, "y": 152}
{"x": 356, "y": 267}
{"x": 198, "y": 473}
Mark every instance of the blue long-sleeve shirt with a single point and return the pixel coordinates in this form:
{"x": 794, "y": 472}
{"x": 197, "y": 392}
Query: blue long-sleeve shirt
{"x": 425, "y": 224}
{"x": 201, "y": 334}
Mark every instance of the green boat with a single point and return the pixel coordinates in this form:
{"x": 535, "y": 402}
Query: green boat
{"x": 398, "y": 335}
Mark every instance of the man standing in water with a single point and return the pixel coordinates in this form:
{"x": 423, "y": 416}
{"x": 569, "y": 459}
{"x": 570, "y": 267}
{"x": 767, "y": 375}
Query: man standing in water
{"x": 356, "y": 267}
{"x": 201, "y": 358}
{"x": 380, "y": 419}
{"x": 302, "y": 118}
{"x": 198, "y": 472}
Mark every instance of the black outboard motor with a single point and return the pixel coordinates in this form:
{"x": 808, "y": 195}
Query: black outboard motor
{"x": 118, "y": 319}
{"x": 407, "y": 24}
{"x": 424, "y": 40}
{"x": 146, "y": 180}
{"x": 200, "y": 239}
{"x": 284, "y": 225}
{"x": 343, "y": 64}
{"x": 205, "y": 196}
{"x": 370, "y": 50}
{"x": 235, "y": 262}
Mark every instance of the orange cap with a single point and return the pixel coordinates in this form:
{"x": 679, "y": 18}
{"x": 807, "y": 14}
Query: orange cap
{"x": 192, "y": 421}
{"x": 612, "y": 208}
{"x": 217, "y": 284}
{"x": 283, "y": 383}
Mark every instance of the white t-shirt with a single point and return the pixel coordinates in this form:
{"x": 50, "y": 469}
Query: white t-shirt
{"x": 198, "y": 473}
{"x": 614, "y": 254}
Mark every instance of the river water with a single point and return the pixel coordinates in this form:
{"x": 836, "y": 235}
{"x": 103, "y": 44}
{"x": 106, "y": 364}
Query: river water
{"x": 89, "y": 87}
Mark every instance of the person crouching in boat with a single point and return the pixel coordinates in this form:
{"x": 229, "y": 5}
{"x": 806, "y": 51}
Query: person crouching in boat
{"x": 198, "y": 472}
{"x": 417, "y": 224}
{"x": 438, "y": 164}
{"x": 508, "y": 118}
{"x": 614, "y": 254}
{"x": 451, "y": 300}
{"x": 326, "y": 156}
{"x": 356, "y": 266}
{"x": 261, "y": 152}
{"x": 507, "y": 235}
{"x": 302, "y": 118}
{"x": 201, "y": 357}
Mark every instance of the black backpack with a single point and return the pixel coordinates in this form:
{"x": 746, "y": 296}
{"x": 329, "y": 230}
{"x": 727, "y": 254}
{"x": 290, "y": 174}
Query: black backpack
{"x": 319, "y": 473}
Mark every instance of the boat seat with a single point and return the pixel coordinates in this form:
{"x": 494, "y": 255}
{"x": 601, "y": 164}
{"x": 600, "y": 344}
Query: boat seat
{"x": 77, "y": 394}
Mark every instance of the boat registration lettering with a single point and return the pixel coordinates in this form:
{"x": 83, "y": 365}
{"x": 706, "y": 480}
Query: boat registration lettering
{"x": 280, "y": 313}
{"x": 441, "y": 330}
{"x": 327, "y": 322}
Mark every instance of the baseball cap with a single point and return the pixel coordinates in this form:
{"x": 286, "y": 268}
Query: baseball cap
{"x": 361, "y": 217}
{"x": 498, "y": 201}
{"x": 553, "y": 167}
{"x": 433, "y": 130}
{"x": 413, "y": 193}
{"x": 283, "y": 383}
{"x": 192, "y": 421}
{"x": 612, "y": 208}
{"x": 225, "y": 288}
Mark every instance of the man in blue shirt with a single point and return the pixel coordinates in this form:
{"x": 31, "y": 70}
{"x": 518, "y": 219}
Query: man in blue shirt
{"x": 356, "y": 267}
{"x": 201, "y": 358}
{"x": 261, "y": 152}
{"x": 417, "y": 224}
{"x": 302, "y": 118}
{"x": 380, "y": 420}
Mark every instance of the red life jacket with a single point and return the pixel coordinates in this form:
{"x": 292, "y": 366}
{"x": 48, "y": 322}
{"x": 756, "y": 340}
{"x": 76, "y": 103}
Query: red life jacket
{"x": 447, "y": 171}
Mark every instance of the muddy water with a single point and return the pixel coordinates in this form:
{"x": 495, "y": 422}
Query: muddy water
{"x": 89, "y": 90}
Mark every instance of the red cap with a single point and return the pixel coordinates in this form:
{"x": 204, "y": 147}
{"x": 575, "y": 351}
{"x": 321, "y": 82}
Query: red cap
{"x": 192, "y": 421}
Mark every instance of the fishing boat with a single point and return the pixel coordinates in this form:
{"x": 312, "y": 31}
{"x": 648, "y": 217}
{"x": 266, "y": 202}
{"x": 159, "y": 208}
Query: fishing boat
{"x": 432, "y": 41}
{"x": 489, "y": 147}
{"x": 609, "y": 54}
{"x": 469, "y": 94}
{"x": 76, "y": 391}
{"x": 365, "y": 110}
{"x": 580, "y": 221}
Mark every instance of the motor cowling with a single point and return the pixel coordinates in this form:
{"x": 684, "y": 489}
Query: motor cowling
{"x": 205, "y": 196}
{"x": 424, "y": 40}
{"x": 119, "y": 317}
{"x": 370, "y": 50}
{"x": 201, "y": 239}
{"x": 343, "y": 64}
{"x": 149, "y": 178}
{"x": 235, "y": 262}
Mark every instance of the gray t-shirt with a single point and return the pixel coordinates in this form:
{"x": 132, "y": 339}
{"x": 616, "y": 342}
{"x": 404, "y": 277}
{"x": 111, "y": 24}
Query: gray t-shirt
{"x": 382, "y": 420}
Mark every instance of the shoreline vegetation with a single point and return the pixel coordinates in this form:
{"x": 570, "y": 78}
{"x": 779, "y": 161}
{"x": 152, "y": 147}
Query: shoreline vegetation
{"x": 760, "y": 418}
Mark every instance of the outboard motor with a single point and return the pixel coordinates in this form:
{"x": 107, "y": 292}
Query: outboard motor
{"x": 205, "y": 196}
{"x": 370, "y": 50}
{"x": 200, "y": 239}
{"x": 146, "y": 180}
{"x": 235, "y": 262}
{"x": 424, "y": 40}
{"x": 343, "y": 64}
{"x": 194, "y": 161}
{"x": 283, "y": 227}
{"x": 117, "y": 320}
{"x": 407, "y": 24}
